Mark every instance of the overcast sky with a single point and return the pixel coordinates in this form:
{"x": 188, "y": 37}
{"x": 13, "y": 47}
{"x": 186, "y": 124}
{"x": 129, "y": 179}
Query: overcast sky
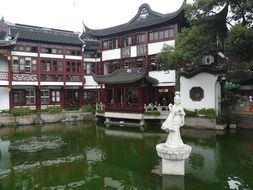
{"x": 69, "y": 14}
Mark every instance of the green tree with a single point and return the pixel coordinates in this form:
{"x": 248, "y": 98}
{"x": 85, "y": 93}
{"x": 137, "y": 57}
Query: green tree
{"x": 190, "y": 47}
{"x": 240, "y": 42}
{"x": 241, "y": 11}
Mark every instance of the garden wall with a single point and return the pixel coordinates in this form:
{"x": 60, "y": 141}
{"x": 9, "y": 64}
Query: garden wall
{"x": 203, "y": 123}
{"x": 7, "y": 119}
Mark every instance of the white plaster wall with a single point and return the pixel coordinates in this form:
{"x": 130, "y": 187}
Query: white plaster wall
{"x": 27, "y": 54}
{"x": 90, "y": 83}
{"x": 4, "y": 100}
{"x": 48, "y": 55}
{"x": 25, "y": 83}
{"x": 204, "y": 80}
{"x": 133, "y": 51}
{"x": 111, "y": 54}
{"x": 52, "y": 83}
{"x": 165, "y": 78}
{"x": 154, "y": 48}
{"x": 3, "y": 64}
{"x": 90, "y": 59}
{"x": 4, "y": 83}
{"x": 74, "y": 83}
{"x": 74, "y": 57}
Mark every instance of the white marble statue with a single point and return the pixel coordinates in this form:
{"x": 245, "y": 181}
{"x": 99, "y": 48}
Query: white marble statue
{"x": 173, "y": 123}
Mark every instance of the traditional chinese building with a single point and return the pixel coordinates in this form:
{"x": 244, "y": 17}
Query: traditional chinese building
{"x": 40, "y": 67}
{"x": 127, "y": 70}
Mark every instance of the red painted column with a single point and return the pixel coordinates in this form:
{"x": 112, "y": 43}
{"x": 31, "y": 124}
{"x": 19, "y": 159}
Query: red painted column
{"x": 62, "y": 100}
{"x": 37, "y": 98}
{"x": 64, "y": 67}
{"x": 11, "y": 104}
{"x": 81, "y": 90}
{"x": 37, "y": 91}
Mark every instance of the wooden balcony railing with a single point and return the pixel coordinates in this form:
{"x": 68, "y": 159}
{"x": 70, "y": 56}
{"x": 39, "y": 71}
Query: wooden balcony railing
{"x": 132, "y": 108}
{"x": 74, "y": 78}
{"x": 125, "y": 108}
{"x": 25, "y": 77}
{"x": 51, "y": 78}
{"x": 164, "y": 110}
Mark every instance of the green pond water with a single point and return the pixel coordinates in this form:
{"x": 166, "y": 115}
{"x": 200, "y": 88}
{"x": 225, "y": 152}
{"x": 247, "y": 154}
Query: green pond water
{"x": 116, "y": 158}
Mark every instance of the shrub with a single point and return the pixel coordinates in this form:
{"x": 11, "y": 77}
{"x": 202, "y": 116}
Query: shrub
{"x": 88, "y": 108}
{"x": 5, "y": 111}
{"x": 209, "y": 113}
{"x": 72, "y": 108}
{"x": 100, "y": 111}
{"x": 221, "y": 119}
{"x": 155, "y": 113}
{"x": 22, "y": 111}
{"x": 54, "y": 109}
{"x": 189, "y": 113}
{"x": 234, "y": 118}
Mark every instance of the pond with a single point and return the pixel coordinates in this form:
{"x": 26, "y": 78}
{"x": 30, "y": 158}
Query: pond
{"x": 95, "y": 157}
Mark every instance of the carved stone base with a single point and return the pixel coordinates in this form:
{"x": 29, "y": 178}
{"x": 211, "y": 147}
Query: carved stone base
{"x": 173, "y": 158}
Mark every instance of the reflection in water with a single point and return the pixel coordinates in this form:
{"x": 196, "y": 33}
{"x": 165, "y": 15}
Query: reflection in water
{"x": 99, "y": 158}
{"x": 173, "y": 182}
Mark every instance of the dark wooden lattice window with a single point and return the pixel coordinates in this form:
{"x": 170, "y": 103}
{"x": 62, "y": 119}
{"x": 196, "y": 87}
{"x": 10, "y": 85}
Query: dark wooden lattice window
{"x": 196, "y": 93}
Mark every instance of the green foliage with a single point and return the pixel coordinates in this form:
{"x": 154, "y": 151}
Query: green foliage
{"x": 227, "y": 118}
{"x": 207, "y": 34}
{"x": 195, "y": 42}
{"x": 209, "y": 113}
{"x": 240, "y": 11}
{"x": 88, "y": 108}
{"x": 152, "y": 113}
{"x": 240, "y": 42}
{"x": 168, "y": 58}
{"x": 4, "y": 111}
{"x": 75, "y": 108}
{"x": 100, "y": 111}
{"x": 234, "y": 118}
{"x": 189, "y": 113}
{"x": 54, "y": 109}
{"x": 22, "y": 111}
{"x": 221, "y": 119}
{"x": 191, "y": 45}
{"x": 237, "y": 76}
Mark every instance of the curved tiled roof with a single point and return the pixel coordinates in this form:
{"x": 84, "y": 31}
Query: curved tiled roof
{"x": 204, "y": 69}
{"x": 46, "y": 35}
{"x": 145, "y": 17}
{"x": 124, "y": 76}
{"x": 3, "y": 35}
{"x": 6, "y": 42}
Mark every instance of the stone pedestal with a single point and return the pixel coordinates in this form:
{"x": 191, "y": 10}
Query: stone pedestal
{"x": 173, "y": 158}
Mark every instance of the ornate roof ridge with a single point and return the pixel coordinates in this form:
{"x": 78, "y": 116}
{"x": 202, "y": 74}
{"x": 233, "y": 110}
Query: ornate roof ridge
{"x": 143, "y": 18}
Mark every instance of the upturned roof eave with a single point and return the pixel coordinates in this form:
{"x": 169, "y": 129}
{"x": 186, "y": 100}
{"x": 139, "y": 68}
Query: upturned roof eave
{"x": 111, "y": 78}
{"x": 128, "y": 27}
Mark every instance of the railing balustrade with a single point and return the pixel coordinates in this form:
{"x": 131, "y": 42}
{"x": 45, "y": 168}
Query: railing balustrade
{"x": 132, "y": 108}
{"x": 164, "y": 110}
{"x": 25, "y": 77}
